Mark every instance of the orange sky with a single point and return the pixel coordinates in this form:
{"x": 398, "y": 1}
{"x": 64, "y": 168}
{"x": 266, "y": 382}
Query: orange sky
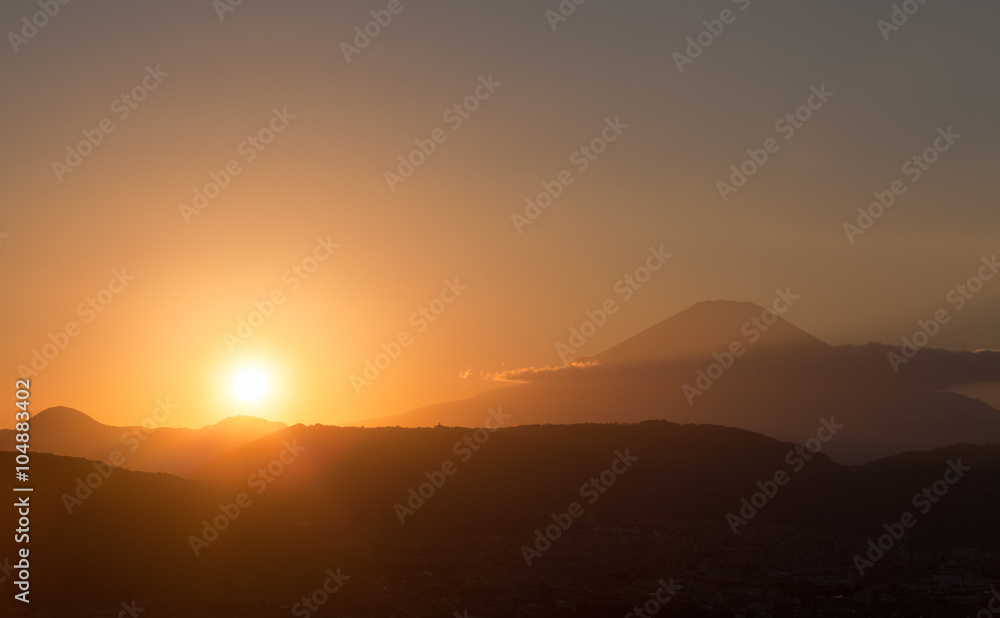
{"x": 298, "y": 141}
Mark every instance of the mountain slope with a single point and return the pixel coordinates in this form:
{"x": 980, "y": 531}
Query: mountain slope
{"x": 333, "y": 505}
{"x": 782, "y": 385}
{"x": 705, "y": 328}
{"x": 65, "y": 431}
{"x": 68, "y": 432}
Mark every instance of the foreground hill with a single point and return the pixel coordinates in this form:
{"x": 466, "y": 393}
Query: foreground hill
{"x": 69, "y": 432}
{"x": 320, "y": 498}
{"x": 503, "y": 480}
{"x": 780, "y": 384}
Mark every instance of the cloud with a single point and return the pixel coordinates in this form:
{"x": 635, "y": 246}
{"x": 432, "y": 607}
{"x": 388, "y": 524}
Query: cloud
{"x": 539, "y": 374}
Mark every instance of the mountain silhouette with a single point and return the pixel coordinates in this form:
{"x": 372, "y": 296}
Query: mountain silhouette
{"x": 333, "y": 505}
{"x": 65, "y": 431}
{"x": 705, "y": 328}
{"x": 727, "y": 363}
{"x": 782, "y": 384}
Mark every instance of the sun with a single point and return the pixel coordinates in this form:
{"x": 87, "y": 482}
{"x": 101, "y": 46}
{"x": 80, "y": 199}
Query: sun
{"x": 250, "y": 384}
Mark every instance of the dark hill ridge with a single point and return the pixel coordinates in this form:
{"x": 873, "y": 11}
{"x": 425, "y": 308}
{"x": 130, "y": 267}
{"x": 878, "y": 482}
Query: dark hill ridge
{"x": 65, "y": 431}
{"x": 334, "y": 506}
{"x": 688, "y": 471}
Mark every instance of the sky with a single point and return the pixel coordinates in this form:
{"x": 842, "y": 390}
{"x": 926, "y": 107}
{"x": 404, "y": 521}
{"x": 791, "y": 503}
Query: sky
{"x": 353, "y": 210}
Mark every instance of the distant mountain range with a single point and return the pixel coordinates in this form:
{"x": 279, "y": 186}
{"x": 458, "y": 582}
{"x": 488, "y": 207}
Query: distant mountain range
{"x": 782, "y": 382}
{"x": 718, "y": 362}
{"x": 69, "y": 432}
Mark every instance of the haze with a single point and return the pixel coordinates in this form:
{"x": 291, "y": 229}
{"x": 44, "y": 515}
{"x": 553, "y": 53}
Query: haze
{"x": 316, "y": 197}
